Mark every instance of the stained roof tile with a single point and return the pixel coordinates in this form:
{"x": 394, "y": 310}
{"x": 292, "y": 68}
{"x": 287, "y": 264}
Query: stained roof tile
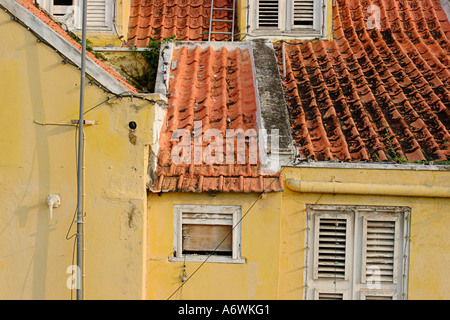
{"x": 216, "y": 88}
{"x": 186, "y": 20}
{"x": 372, "y": 94}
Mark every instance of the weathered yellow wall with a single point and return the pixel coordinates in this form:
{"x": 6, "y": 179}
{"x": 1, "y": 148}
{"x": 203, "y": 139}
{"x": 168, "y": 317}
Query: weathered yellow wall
{"x": 257, "y": 278}
{"x": 37, "y": 161}
{"x": 429, "y": 270}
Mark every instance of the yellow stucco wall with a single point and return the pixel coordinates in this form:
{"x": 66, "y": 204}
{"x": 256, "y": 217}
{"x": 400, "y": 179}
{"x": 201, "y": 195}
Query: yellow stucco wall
{"x": 257, "y": 278}
{"x": 129, "y": 234}
{"x": 429, "y": 269}
{"x": 38, "y": 160}
{"x": 273, "y": 238}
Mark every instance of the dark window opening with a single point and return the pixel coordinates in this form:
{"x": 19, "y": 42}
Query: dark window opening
{"x": 63, "y": 2}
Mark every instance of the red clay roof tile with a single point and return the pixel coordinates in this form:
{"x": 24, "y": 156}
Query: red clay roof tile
{"x": 373, "y": 94}
{"x": 186, "y": 20}
{"x": 216, "y": 87}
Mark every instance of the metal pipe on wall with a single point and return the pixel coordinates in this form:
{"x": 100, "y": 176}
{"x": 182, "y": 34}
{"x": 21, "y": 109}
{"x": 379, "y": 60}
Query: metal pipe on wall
{"x": 80, "y": 160}
{"x": 334, "y": 187}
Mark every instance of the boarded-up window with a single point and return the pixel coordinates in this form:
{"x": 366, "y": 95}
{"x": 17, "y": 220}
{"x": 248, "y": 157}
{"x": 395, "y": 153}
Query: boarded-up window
{"x": 212, "y": 230}
{"x": 198, "y": 238}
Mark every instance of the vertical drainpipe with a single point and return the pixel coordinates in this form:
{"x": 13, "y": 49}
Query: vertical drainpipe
{"x": 80, "y": 160}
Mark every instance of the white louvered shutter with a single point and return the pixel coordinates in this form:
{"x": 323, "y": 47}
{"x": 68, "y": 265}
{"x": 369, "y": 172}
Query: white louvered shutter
{"x": 380, "y": 248}
{"x": 357, "y": 252}
{"x": 303, "y": 13}
{"x": 268, "y": 14}
{"x": 330, "y": 296}
{"x": 96, "y": 13}
{"x": 99, "y": 15}
{"x": 331, "y": 247}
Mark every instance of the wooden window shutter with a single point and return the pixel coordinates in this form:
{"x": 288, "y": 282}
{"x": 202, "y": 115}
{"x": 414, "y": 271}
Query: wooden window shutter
{"x": 374, "y": 297}
{"x": 303, "y": 13}
{"x": 380, "y": 248}
{"x": 268, "y": 14}
{"x": 96, "y": 13}
{"x": 360, "y": 252}
{"x": 202, "y": 232}
{"x": 331, "y": 246}
{"x": 330, "y": 296}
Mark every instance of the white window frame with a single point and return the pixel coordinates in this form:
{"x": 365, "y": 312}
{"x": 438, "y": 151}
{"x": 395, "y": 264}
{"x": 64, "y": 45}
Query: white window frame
{"x": 355, "y": 285}
{"x": 286, "y": 26}
{"x": 75, "y": 23}
{"x": 215, "y": 211}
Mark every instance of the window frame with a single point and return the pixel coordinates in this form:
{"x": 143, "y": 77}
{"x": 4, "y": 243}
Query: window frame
{"x": 77, "y": 17}
{"x": 356, "y": 286}
{"x": 232, "y": 210}
{"x": 286, "y": 25}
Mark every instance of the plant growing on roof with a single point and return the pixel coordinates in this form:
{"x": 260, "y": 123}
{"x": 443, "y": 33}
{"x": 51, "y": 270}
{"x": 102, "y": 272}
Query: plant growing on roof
{"x": 393, "y": 156}
{"x": 146, "y": 81}
{"x": 89, "y": 48}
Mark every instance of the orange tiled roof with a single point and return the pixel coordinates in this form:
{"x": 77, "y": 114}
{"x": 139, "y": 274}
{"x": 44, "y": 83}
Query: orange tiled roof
{"x": 216, "y": 87}
{"x": 188, "y": 20}
{"x": 373, "y": 94}
{"x": 29, "y": 5}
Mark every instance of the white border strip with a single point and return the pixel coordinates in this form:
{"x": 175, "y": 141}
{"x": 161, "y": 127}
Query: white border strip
{"x": 374, "y": 166}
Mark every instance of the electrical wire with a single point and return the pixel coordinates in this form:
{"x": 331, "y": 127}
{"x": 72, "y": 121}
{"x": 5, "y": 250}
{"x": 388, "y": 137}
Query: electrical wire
{"x": 230, "y": 233}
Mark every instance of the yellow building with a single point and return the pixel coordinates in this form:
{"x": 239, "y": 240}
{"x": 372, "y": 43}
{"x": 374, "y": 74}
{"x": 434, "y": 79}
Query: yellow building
{"x": 340, "y": 191}
{"x": 40, "y": 92}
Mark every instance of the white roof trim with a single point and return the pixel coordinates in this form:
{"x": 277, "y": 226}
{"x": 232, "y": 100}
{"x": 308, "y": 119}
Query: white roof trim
{"x": 369, "y": 165}
{"x": 65, "y": 47}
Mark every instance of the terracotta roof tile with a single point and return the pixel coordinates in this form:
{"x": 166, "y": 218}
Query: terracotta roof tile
{"x": 216, "y": 87}
{"x": 372, "y": 94}
{"x": 187, "y": 20}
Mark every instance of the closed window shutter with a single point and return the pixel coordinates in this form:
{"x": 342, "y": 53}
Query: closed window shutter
{"x": 331, "y": 296}
{"x": 378, "y": 297}
{"x": 357, "y": 252}
{"x": 96, "y": 13}
{"x": 380, "y": 249}
{"x": 268, "y": 13}
{"x": 303, "y": 13}
{"x": 331, "y": 248}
